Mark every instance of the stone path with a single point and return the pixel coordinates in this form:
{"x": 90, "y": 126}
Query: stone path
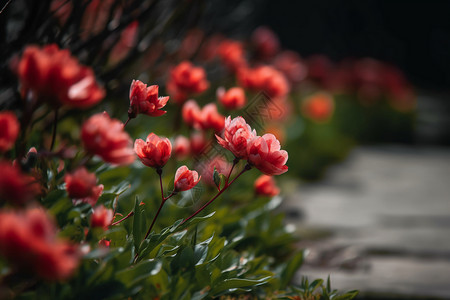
{"x": 385, "y": 213}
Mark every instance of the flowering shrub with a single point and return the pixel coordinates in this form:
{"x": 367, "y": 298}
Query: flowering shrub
{"x": 195, "y": 216}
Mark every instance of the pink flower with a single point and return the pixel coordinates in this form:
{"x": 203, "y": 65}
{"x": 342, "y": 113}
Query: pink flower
{"x": 145, "y": 100}
{"x": 265, "y": 186}
{"x": 237, "y": 136}
{"x": 185, "y": 79}
{"x": 9, "y": 130}
{"x": 232, "y": 99}
{"x": 102, "y": 217}
{"x": 106, "y": 138}
{"x": 265, "y": 153}
{"x": 82, "y": 186}
{"x": 54, "y": 75}
{"x": 28, "y": 239}
{"x": 210, "y": 118}
{"x": 185, "y": 179}
{"x": 191, "y": 113}
{"x": 181, "y": 147}
{"x": 154, "y": 152}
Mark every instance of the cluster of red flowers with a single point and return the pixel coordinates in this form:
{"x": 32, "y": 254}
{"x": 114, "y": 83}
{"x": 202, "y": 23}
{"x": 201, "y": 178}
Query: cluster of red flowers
{"x": 263, "y": 152}
{"x": 28, "y": 238}
{"x": 54, "y": 75}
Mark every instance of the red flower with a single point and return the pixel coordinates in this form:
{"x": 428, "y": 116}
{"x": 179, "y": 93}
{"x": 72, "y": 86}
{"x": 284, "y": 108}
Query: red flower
{"x": 53, "y": 74}
{"x": 318, "y": 107}
{"x": 145, "y": 100}
{"x": 28, "y": 239}
{"x": 154, "y": 152}
{"x": 232, "y": 54}
{"x": 265, "y": 186}
{"x": 185, "y": 179}
{"x": 185, "y": 79}
{"x": 106, "y": 138}
{"x": 181, "y": 147}
{"x": 16, "y": 187}
{"x": 102, "y": 217}
{"x": 266, "y": 42}
{"x": 237, "y": 136}
{"x": 191, "y": 113}
{"x": 265, "y": 78}
{"x": 82, "y": 186}
{"x": 9, "y": 130}
{"x": 232, "y": 99}
{"x": 266, "y": 155}
{"x": 207, "y": 169}
{"x": 211, "y": 119}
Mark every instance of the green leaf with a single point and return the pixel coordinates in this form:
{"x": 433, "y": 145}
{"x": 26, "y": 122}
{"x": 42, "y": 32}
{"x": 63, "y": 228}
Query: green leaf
{"x": 216, "y": 178}
{"x": 235, "y": 283}
{"x": 134, "y": 274}
{"x": 138, "y": 225}
{"x": 347, "y": 296}
{"x": 290, "y": 268}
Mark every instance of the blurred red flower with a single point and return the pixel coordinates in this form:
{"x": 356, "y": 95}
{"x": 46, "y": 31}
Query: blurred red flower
{"x": 265, "y": 186}
{"x": 29, "y": 240}
{"x": 181, "y": 147}
{"x": 185, "y": 79}
{"x": 318, "y": 107}
{"x": 207, "y": 169}
{"x": 82, "y": 186}
{"x": 106, "y": 138}
{"x": 154, "y": 152}
{"x": 210, "y": 118}
{"x": 102, "y": 217}
{"x": 16, "y": 187}
{"x": 191, "y": 113}
{"x": 54, "y": 75}
{"x": 264, "y": 78}
{"x": 232, "y": 54}
{"x": 232, "y": 99}
{"x": 9, "y": 130}
{"x": 266, "y": 42}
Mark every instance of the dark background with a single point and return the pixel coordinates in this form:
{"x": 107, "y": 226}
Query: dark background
{"x": 414, "y": 35}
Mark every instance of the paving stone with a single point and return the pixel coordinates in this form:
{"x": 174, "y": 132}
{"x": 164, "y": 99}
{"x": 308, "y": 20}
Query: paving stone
{"x": 388, "y": 212}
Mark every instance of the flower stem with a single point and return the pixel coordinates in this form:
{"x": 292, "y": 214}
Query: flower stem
{"x": 130, "y": 214}
{"x": 128, "y": 120}
{"x": 246, "y": 168}
{"x": 55, "y": 124}
{"x": 163, "y": 200}
{"x": 235, "y": 161}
